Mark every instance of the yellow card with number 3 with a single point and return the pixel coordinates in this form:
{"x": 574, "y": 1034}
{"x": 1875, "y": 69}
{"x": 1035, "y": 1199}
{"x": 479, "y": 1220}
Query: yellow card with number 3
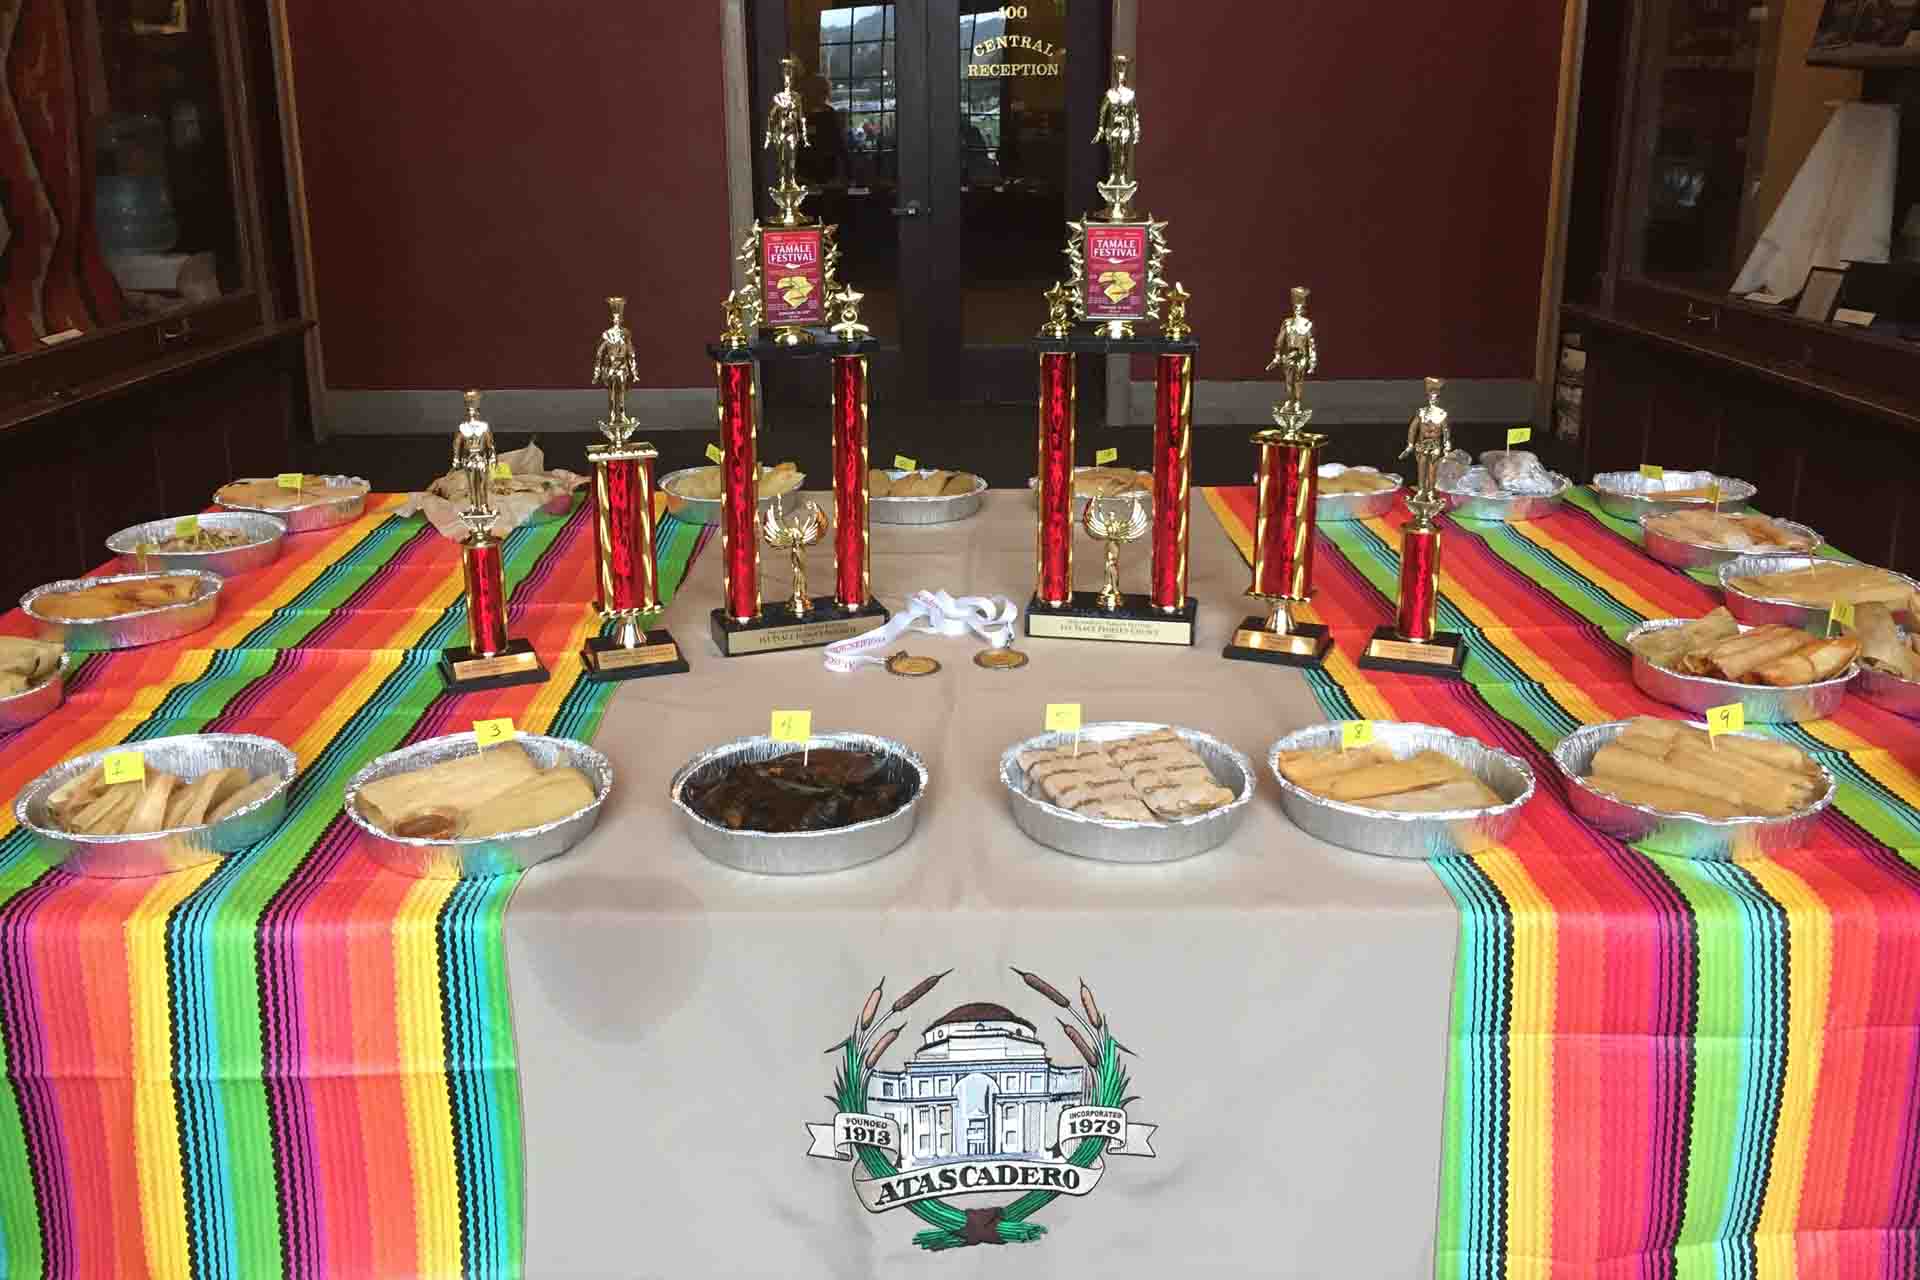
{"x": 1356, "y": 733}
{"x": 791, "y": 726}
{"x": 124, "y": 766}
{"x": 1731, "y": 718}
{"x": 1518, "y": 435}
{"x": 714, "y": 455}
{"x": 491, "y": 733}
{"x": 1101, "y": 457}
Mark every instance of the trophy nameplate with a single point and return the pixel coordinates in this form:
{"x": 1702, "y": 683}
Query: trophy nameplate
{"x": 605, "y": 658}
{"x": 1304, "y": 644}
{"x": 778, "y": 627}
{"x": 1444, "y": 655}
{"x": 467, "y": 671}
{"x": 1135, "y": 621}
{"x": 793, "y": 277}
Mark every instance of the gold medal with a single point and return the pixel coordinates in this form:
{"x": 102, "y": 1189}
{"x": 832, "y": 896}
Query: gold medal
{"x": 909, "y": 664}
{"x": 1000, "y": 659}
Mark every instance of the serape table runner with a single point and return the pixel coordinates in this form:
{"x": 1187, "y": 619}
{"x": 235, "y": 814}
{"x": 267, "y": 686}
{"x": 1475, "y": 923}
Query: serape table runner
{"x": 1658, "y": 1067}
{"x": 291, "y": 1062}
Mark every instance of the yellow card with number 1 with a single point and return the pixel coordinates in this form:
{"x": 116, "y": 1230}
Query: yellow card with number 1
{"x": 1101, "y": 457}
{"x": 1518, "y": 435}
{"x": 1356, "y": 733}
{"x": 714, "y": 455}
{"x": 1731, "y": 718}
{"x": 491, "y": 733}
{"x": 123, "y": 766}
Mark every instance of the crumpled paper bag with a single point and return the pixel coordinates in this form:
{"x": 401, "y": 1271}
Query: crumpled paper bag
{"x": 515, "y": 501}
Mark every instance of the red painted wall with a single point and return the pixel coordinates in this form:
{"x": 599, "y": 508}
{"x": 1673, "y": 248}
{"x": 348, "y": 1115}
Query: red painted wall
{"x": 480, "y": 176}
{"x": 1393, "y": 157}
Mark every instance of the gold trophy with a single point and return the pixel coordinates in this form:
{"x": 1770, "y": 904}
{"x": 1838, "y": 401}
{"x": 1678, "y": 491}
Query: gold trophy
{"x": 793, "y": 534}
{"x": 1105, "y": 520}
{"x": 1414, "y": 644}
{"x": 491, "y": 659}
{"x": 789, "y": 264}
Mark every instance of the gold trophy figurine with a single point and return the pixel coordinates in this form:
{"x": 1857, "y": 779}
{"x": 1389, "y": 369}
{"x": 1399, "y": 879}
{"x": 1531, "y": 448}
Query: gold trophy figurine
{"x": 1119, "y": 129}
{"x": 1413, "y": 643}
{"x": 1428, "y": 441}
{"x": 1059, "y": 312}
{"x": 786, "y": 134}
{"x": 474, "y": 455}
{"x": 1115, "y": 527}
{"x": 794, "y": 534}
{"x": 492, "y": 658}
{"x": 1297, "y": 356}
{"x": 615, "y": 368}
{"x": 849, "y": 328}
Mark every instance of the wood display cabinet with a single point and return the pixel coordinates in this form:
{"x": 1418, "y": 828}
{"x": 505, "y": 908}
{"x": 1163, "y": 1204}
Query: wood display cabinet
{"x": 152, "y": 329}
{"x": 1695, "y": 119}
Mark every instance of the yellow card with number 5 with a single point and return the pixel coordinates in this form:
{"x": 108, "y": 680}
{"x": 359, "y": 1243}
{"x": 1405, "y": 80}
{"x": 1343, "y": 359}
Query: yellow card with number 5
{"x": 791, "y": 726}
{"x": 1356, "y": 733}
{"x": 490, "y": 733}
{"x": 901, "y": 462}
{"x": 124, "y": 766}
{"x": 714, "y": 455}
{"x": 1101, "y": 457}
{"x": 1518, "y": 435}
{"x": 1731, "y": 718}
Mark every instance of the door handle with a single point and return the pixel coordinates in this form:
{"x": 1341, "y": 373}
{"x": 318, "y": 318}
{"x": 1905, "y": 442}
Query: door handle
{"x": 1702, "y": 317}
{"x": 911, "y": 209}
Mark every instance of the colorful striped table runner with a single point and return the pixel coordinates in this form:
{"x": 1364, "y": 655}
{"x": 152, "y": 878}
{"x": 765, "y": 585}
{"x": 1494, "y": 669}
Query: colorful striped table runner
{"x": 1658, "y": 1068}
{"x": 293, "y": 1062}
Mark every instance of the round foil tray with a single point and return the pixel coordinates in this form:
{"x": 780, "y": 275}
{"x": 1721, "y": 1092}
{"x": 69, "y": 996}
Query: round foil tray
{"x": 702, "y": 510}
{"x": 18, "y": 710}
{"x": 158, "y": 852}
{"x": 309, "y": 516}
{"x": 1762, "y": 704}
{"x": 935, "y": 509}
{"x": 1757, "y": 610}
{"x": 1359, "y": 506}
{"x": 127, "y": 630}
{"x": 784, "y": 853}
{"x": 1508, "y": 507}
{"x": 1113, "y": 840}
{"x": 1408, "y": 835}
{"x": 263, "y": 538}
{"x": 1698, "y": 555}
{"x": 480, "y": 857}
{"x": 1630, "y": 495}
{"x": 1680, "y": 835}
{"x": 1080, "y": 501}
{"x": 1884, "y": 689}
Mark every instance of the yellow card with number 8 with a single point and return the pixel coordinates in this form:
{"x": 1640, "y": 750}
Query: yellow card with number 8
{"x": 291, "y": 480}
{"x": 124, "y": 766}
{"x": 1101, "y": 457}
{"x": 1518, "y": 435}
{"x": 791, "y": 726}
{"x": 1356, "y": 733}
{"x": 1731, "y": 718}
{"x": 714, "y": 455}
{"x": 489, "y": 733}
{"x": 1063, "y": 717}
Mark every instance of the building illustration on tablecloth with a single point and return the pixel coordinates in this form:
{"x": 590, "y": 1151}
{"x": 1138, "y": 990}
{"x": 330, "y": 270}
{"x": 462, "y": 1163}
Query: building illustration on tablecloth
{"x": 980, "y": 1085}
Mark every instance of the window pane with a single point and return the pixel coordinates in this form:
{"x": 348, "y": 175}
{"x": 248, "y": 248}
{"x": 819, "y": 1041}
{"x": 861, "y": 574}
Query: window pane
{"x": 869, "y": 22}
{"x": 867, "y": 60}
{"x": 834, "y": 25}
{"x": 836, "y": 60}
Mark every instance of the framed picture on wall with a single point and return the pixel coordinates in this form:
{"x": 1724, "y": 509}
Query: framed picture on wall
{"x": 1821, "y": 295}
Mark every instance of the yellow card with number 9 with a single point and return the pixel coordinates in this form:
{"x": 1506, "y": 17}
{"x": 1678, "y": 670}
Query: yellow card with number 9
{"x": 1731, "y": 718}
{"x": 490, "y": 733}
{"x": 791, "y": 726}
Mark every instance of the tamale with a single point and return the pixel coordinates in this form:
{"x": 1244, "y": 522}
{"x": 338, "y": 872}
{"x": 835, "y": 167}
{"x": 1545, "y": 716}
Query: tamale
{"x": 545, "y": 797}
{"x": 258, "y": 789}
{"x": 151, "y": 813}
{"x": 461, "y": 783}
{"x": 1357, "y": 786}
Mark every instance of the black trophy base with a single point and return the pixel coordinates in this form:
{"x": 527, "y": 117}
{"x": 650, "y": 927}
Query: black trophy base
{"x": 658, "y": 655}
{"x": 468, "y": 672}
{"x": 1445, "y": 655}
{"x": 1305, "y": 645}
{"x": 1136, "y": 621}
{"x": 778, "y": 628}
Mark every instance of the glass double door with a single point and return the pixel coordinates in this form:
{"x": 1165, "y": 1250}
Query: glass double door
{"x": 949, "y": 140}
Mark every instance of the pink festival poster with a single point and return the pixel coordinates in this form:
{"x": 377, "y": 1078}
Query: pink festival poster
{"x": 1116, "y": 273}
{"x": 792, "y": 278}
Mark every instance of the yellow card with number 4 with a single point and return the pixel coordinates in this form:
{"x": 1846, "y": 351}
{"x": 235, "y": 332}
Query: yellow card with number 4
{"x": 1356, "y": 733}
{"x": 291, "y": 480}
{"x": 901, "y": 462}
{"x": 124, "y": 766}
{"x": 1518, "y": 435}
{"x": 491, "y": 733}
{"x": 791, "y": 726}
{"x": 1101, "y": 457}
{"x": 186, "y": 526}
{"x": 1731, "y": 718}
{"x": 714, "y": 455}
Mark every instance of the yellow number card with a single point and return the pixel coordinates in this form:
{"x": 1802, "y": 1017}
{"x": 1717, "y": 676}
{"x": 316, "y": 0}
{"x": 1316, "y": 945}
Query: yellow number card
{"x": 489, "y": 733}
{"x": 1518, "y": 435}
{"x": 124, "y": 766}
{"x": 1101, "y": 457}
{"x": 791, "y": 726}
{"x": 1356, "y": 733}
{"x": 714, "y": 455}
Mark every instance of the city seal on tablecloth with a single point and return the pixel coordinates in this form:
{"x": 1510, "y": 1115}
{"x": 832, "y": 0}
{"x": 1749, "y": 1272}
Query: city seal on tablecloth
{"x": 979, "y": 1109}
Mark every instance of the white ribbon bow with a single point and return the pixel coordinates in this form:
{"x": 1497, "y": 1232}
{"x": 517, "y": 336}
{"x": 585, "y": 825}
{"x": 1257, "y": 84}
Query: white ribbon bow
{"x": 937, "y": 614}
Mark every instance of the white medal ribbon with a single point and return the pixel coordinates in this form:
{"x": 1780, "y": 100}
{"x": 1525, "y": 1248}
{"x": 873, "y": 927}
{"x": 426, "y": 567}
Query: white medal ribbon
{"x": 937, "y": 614}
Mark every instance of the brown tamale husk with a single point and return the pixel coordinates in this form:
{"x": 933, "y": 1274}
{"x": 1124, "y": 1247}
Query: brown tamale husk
{"x": 546, "y": 797}
{"x": 461, "y": 783}
{"x": 107, "y": 813}
{"x": 1664, "y": 798}
{"x": 150, "y": 814}
{"x": 1733, "y": 659}
{"x": 1312, "y": 768}
{"x": 1667, "y": 647}
{"x": 1815, "y": 660}
{"x": 258, "y": 789}
{"x": 1462, "y": 793}
{"x": 1750, "y": 783}
{"x": 1880, "y": 641}
{"x": 74, "y": 794}
{"x": 1357, "y": 786}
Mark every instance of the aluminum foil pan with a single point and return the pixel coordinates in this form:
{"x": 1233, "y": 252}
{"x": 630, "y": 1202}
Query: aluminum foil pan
{"x": 1408, "y": 835}
{"x": 156, "y": 853}
{"x": 785, "y": 853}
{"x": 309, "y": 516}
{"x": 1112, "y": 840}
{"x": 1757, "y": 610}
{"x": 127, "y": 630}
{"x": 1884, "y": 689}
{"x": 1698, "y": 555}
{"x": 700, "y": 510}
{"x": 1764, "y": 704}
{"x": 930, "y": 510}
{"x": 485, "y": 856}
{"x": 18, "y": 710}
{"x": 1630, "y": 495}
{"x": 1680, "y": 835}
{"x": 1080, "y": 502}
{"x": 1508, "y": 507}
{"x": 1359, "y": 506}
{"x": 263, "y": 536}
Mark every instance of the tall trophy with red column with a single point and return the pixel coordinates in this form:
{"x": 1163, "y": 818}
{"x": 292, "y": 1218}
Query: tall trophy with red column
{"x": 627, "y": 578}
{"x": 1414, "y": 644}
{"x": 1286, "y": 487}
{"x": 781, "y": 313}
{"x": 491, "y": 659}
{"x": 1117, "y": 285}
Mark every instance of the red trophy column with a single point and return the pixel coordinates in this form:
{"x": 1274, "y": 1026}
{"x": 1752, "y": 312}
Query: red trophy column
{"x": 853, "y": 584}
{"x": 739, "y": 490}
{"x": 1054, "y": 533}
{"x": 1283, "y": 523}
{"x": 1419, "y": 581}
{"x": 1172, "y": 439}
{"x": 486, "y": 596}
{"x": 619, "y": 495}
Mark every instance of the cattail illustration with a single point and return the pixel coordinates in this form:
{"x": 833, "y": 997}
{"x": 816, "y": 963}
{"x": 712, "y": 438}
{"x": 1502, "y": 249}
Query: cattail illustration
{"x": 921, "y": 988}
{"x": 1087, "y": 1002}
{"x": 879, "y": 1048}
{"x": 1080, "y": 1043}
{"x": 1044, "y": 987}
{"x": 871, "y": 1007}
